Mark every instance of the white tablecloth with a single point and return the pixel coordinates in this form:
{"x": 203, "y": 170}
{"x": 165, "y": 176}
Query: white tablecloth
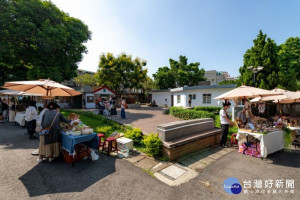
{"x": 20, "y": 118}
{"x": 294, "y": 127}
{"x": 269, "y": 143}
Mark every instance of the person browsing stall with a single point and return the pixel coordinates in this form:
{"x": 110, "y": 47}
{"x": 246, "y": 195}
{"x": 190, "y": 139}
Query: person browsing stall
{"x": 225, "y": 122}
{"x": 50, "y": 144}
{"x": 245, "y": 116}
{"x": 30, "y": 118}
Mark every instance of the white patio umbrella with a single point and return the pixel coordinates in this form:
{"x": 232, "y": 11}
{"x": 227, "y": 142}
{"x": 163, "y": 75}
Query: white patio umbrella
{"x": 17, "y": 93}
{"x": 43, "y": 87}
{"x": 247, "y": 92}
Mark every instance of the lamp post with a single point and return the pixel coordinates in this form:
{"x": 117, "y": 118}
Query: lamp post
{"x": 255, "y": 70}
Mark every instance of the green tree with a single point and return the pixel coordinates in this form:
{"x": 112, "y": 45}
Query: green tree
{"x": 147, "y": 85}
{"x": 263, "y": 53}
{"x": 228, "y": 82}
{"x": 86, "y": 79}
{"x": 39, "y": 41}
{"x": 289, "y": 63}
{"x": 164, "y": 79}
{"x": 179, "y": 74}
{"x": 121, "y": 72}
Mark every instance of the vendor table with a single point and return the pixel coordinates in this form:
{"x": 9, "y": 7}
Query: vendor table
{"x": 269, "y": 143}
{"x": 20, "y": 118}
{"x": 69, "y": 141}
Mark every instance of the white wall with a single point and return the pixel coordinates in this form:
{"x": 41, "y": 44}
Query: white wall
{"x": 199, "y": 97}
{"x": 160, "y": 97}
{"x": 183, "y": 99}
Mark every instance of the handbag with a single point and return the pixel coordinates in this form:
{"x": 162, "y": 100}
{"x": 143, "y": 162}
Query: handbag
{"x": 46, "y": 131}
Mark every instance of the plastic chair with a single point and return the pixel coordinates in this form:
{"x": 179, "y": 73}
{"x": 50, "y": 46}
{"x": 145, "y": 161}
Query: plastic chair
{"x": 233, "y": 139}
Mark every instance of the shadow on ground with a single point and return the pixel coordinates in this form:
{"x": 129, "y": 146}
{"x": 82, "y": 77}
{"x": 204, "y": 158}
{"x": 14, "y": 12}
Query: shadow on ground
{"x": 288, "y": 159}
{"x": 13, "y": 136}
{"x": 59, "y": 177}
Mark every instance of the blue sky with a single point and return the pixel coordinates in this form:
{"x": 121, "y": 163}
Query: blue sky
{"x": 215, "y": 33}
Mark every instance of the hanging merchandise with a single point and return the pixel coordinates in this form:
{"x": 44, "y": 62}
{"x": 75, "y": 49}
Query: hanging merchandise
{"x": 261, "y": 107}
{"x": 236, "y": 101}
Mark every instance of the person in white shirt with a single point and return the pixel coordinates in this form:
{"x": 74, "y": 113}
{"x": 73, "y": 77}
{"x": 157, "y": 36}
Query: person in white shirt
{"x": 225, "y": 122}
{"x": 30, "y": 118}
{"x": 166, "y": 103}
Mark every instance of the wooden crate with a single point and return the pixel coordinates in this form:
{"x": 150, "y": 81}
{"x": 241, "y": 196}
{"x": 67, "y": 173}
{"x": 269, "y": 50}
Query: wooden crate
{"x": 81, "y": 152}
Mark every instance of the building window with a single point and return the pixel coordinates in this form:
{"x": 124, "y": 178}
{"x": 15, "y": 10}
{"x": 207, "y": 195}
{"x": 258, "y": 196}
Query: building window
{"x": 178, "y": 99}
{"x": 90, "y": 99}
{"x": 104, "y": 90}
{"x": 194, "y": 96}
{"x": 206, "y": 98}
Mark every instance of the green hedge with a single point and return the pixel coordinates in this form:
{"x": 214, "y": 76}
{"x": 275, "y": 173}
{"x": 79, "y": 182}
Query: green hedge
{"x": 136, "y": 135}
{"x": 213, "y": 109}
{"x": 190, "y": 114}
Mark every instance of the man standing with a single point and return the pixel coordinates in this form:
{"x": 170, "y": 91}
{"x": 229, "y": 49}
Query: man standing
{"x": 245, "y": 116}
{"x": 190, "y": 102}
{"x": 225, "y": 122}
{"x": 166, "y": 103}
{"x": 83, "y": 103}
{"x": 30, "y": 118}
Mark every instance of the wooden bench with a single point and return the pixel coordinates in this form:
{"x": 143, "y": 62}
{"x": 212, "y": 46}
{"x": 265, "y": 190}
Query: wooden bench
{"x": 184, "y": 137}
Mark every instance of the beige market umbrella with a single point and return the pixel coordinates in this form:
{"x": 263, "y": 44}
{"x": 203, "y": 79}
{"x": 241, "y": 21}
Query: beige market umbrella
{"x": 291, "y": 97}
{"x": 43, "y": 87}
{"x": 247, "y": 92}
{"x": 286, "y": 96}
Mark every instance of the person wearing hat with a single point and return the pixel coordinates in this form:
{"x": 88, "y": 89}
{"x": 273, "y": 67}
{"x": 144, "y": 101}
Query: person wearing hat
{"x": 245, "y": 116}
{"x": 225, "y": 122}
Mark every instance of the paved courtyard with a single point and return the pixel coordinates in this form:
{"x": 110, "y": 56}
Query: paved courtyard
{"x": 146, "y": 118}
{"x": 113, "y": 178}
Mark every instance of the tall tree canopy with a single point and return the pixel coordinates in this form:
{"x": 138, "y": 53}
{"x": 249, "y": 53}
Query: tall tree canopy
{"x": 179, "y": 74}
{"x": 277, "y": 72}
{"x": 289, "y": 63}
{"x": 87, "y": 79}
{"x": 39, "y": 41}
{"x": 121, "y": 72}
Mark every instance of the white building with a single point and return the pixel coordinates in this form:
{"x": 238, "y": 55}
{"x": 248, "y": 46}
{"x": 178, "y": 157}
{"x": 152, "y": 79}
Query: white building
{"x": 200, "y": 95}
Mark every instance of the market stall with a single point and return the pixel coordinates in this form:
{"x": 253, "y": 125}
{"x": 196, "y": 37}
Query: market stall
{"x": 256, "y": 136}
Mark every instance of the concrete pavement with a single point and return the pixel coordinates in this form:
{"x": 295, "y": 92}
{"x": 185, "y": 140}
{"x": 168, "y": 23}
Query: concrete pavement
{"x": 145, "y": 118}
{"x": 112, "y": 178}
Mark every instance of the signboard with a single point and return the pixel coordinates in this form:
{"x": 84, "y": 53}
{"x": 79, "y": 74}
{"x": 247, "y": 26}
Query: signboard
{"x": 47, "y": 97}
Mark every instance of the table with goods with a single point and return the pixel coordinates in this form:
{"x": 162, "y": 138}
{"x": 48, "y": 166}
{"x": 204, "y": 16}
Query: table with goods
{"x": 262, "y": 137}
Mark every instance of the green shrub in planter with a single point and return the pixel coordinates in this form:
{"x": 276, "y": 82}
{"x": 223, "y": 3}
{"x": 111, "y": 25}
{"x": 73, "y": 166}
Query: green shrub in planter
{"x": 153, "y": 145}
{"x": 135, "y": 134}
{"x": 107, "y": 130}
